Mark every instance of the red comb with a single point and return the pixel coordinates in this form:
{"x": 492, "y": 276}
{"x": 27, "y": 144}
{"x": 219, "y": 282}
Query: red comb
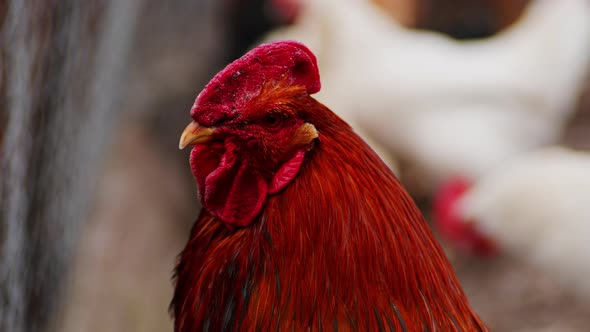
{"x": 231, "y": 89}
{"x": 450, "y": 224}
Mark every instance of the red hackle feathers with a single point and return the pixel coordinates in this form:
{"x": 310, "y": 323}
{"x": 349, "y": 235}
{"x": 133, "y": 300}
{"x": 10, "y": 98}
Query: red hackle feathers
{"x": 340, "y": 247}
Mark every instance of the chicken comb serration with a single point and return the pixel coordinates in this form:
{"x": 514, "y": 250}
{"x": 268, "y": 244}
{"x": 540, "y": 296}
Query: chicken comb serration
{"x": 231, "y": 89}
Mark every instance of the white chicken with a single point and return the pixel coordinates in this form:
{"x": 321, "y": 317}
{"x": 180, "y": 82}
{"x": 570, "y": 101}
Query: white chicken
{"x": 448, "y": 107}
{"x": 537, "y": 209}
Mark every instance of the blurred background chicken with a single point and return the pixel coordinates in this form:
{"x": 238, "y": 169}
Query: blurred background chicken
{"x": 536, "y": 209}
{"x": 98, "y": 91}
{"x": 446, "y": 107}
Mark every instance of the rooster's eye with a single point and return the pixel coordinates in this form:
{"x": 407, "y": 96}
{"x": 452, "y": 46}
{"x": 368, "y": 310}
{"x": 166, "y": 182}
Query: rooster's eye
{"x": 272, "y": 120}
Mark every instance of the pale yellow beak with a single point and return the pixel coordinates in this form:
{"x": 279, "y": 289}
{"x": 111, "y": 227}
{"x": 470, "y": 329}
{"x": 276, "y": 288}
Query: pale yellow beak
{"x": 194, "y": 134}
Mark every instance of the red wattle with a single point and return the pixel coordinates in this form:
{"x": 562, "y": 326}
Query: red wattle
{"x": 286, "y": 173}
{"x": 231, "y": 189}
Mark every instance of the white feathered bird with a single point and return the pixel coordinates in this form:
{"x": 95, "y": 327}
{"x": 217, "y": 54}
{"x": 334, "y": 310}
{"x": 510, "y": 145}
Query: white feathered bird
{"x": 448, "y": 107}
{"x": 536, "y": 208}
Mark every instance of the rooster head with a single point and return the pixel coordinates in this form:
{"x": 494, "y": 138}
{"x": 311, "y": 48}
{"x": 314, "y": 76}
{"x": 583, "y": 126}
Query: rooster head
{"x": 249, "y": 138}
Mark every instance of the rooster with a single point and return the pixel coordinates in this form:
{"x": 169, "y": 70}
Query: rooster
{"x": 535, "y": 209}
{"x": 303, "y": 226}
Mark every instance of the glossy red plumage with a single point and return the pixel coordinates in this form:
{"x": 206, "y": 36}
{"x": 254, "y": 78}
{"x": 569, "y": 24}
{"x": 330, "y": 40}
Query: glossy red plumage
{"x": 342, "y": 245}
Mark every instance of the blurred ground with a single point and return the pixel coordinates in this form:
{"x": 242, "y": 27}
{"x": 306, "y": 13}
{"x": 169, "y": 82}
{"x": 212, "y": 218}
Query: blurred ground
{"x": 128, "y": 249}
{"x": 146, "y": 202}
